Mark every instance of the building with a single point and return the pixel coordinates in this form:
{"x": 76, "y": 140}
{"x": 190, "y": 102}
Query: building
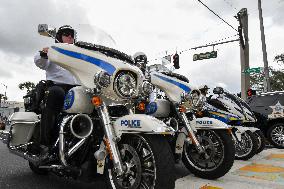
{"x": 7, "y": 108}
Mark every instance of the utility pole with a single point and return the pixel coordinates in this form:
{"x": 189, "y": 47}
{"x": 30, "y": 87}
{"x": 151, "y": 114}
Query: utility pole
{"x": 266, "y": 81}
{"x": 242, "y": 17}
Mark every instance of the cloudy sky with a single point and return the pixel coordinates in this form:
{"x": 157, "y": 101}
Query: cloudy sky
{"x": 155, "y": 27}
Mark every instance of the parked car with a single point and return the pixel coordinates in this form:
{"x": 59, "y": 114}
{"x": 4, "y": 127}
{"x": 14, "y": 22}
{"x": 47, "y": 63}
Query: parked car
{"x": 269, "y": 111}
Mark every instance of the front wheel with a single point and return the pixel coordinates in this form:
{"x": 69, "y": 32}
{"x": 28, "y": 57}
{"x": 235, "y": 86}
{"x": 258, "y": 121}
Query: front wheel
{"x": 246, "y": 148}
{"x": 148, "y": 161}
{"x": 220, "y": 150}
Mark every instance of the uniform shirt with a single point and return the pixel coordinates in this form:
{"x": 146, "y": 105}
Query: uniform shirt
{"x": 54, "y": 72}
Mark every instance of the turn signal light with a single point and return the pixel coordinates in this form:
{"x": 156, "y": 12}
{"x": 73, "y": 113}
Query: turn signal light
{"x": 182, "y": 109}
{"x": 199, "y": 113}
{"x": 141, "y": 106}
{"x": 97, "y": 101}
{"x": 108, "y": 149}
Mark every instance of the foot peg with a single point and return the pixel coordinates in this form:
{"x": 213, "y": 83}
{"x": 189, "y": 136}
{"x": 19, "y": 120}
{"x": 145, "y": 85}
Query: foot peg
{"x": 4, "y": 136}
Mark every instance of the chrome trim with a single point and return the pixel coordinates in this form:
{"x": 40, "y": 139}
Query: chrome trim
{"x": 191, "y": 131}
{"x": 90, "y": 128}
{"x": 76, "y": 147}
{"x": 51, "y": 167}
{"x": 62, "y": 141}
{"x": 111, "y": 138}
{"x": 24, "y": 122}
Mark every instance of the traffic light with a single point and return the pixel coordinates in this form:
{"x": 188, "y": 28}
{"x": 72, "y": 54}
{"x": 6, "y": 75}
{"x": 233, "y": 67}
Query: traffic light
{"x": 251, "y": 92}
{"x": 176, "y": 61}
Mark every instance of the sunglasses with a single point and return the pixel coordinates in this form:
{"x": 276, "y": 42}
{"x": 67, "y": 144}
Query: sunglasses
{"x": 67, "y": 33}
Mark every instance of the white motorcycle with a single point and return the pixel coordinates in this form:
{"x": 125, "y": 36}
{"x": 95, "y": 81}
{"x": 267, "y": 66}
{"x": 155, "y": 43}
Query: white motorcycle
{"x": 205, "y": 145}
{"x": 97, "y": 131}
{"x": 234, "y": 111}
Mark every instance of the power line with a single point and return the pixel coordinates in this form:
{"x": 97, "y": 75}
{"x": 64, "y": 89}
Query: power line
{"x": 214, "y": 43}
{"x": 209, "y": 45}
{"x": 216, "y": 14}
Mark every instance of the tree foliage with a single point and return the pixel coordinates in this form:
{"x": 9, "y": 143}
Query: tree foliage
{"x": 279, "y": 58}
{"x": 276, "y": 77}
{"x": 27, "y": 85}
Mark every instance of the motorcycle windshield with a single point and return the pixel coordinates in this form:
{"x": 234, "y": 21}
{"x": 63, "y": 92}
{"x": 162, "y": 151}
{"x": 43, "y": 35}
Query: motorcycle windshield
{"x": 101, "y": 40}
{"x": 159, "y": 68}
{"x": 92, "y": 34}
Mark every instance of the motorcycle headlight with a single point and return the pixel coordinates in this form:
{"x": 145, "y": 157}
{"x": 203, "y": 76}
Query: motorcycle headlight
{"x": 125, "y": 84}
{"x": 195, "y": 96}
{"x": 147, "y": 88}
{"x": 102, "y": 79}
{"x": 193, "y": 99}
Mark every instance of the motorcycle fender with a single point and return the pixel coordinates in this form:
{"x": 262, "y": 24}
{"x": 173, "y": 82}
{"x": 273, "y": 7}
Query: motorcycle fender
{"x": 209, "y": 123}
{"x": 140, "y": 123}
{"x": 244, "y": 129}
{"x": 239, "y": 130}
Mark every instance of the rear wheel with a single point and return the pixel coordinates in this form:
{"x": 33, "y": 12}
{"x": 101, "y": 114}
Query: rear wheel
{"x": 148, "y": 161}
{"x": 276, "y": 135}
{"x": 260, "y": 141}
{"x": 247, "y": 146}
{"x": 220, "y": 150}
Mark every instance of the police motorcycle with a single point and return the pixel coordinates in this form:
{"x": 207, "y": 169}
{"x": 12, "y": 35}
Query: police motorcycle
{"x": 232, "y": 110}
{"x": 98, "y": 134}
{"x": 204, "y": 145}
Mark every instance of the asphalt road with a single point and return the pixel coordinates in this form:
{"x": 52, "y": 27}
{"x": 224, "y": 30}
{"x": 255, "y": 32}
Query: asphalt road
{"x": 263, "y": 171}
{"x": 16, "y": 174}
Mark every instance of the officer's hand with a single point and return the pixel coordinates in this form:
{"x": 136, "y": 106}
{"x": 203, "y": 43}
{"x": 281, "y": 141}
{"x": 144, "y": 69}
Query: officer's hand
{"x": 43, "y": 52}
{"x": 45, "y": 49}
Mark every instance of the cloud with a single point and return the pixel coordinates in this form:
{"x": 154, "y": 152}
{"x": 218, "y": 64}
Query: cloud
{"x": 19, "y": 40}
{"x": 19, "y": 21}
{"x": 145, "y": 25}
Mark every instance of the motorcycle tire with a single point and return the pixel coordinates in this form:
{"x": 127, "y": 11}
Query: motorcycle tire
{"x": 220, "y": 148}
{"x": 149, "y": 162}
{"x": 248, "y": 146}
{"x": 37, "y": 170}
{"x": 261, "y": 141}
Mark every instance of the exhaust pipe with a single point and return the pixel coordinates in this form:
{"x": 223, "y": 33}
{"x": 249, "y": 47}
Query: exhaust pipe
{"x": 81, "y": 126}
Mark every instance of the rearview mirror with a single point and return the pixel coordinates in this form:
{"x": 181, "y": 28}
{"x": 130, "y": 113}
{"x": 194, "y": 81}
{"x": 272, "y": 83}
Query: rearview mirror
{"x": 44, "y": 30}
{"x": 218, "y": 90}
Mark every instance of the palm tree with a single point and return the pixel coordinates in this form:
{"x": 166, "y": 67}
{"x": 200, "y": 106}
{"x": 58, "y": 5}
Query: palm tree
{"x": 27, "y": 85}
{"x": 1, "y": 97}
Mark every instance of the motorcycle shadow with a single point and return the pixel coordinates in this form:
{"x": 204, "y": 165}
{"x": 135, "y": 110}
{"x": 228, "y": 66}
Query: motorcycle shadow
{"x": 29, "y": 180}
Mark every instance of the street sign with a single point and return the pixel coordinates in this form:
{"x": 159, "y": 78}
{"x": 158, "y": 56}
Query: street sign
{"x": 253, "y": 70}
{"x": 207, "y": 55}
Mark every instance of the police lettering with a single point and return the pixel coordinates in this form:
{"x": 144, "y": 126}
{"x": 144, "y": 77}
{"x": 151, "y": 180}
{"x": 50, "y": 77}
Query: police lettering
{"x": 131, "y": 123}
{"x": 204, "y": 122}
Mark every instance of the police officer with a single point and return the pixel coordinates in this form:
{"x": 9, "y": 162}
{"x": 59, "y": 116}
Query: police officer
{"x": 204, "y": 91}
{"x": 59, "y": 81}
